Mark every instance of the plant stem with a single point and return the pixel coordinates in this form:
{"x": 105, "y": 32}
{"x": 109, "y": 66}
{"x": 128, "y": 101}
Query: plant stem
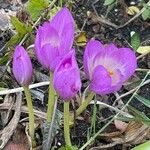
{"x": 51, "y": 99}
{"x": 66, "y": 123}
{"x": 31, "y": 113}
{"x": 82, "y": 107}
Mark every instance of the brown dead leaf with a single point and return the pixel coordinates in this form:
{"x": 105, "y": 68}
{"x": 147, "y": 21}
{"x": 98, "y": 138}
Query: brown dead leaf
{"x": 132, "y": 10}
{"x": 81, "y": 39}
{"x": 13, "y": 146}
{"x": 120, "y": 125}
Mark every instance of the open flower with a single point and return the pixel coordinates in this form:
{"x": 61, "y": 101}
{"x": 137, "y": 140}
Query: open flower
{"x": 22, "y": 67}
{"x": 67, "y": 80}
{"x": 54, "y": 39}
{"x": 107, "y": 67}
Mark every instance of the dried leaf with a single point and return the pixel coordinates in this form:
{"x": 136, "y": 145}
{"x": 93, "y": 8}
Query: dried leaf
{"x": 143, "y": 49}
{"x": 81, "y": 39}
{"x": 120, "y": 125}
{"x": 132, "y": 10}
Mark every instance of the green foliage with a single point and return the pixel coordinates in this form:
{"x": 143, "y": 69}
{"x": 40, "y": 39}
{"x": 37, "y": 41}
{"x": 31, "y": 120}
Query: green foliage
{"x": 140, "y": 116}
{"x": 20, "y": 27}
{"x": 55, "y": 127}
{"x": 108, "y": 2}
{"x": 135, "y": 41}
{"x": 4, "y": 59}
{"x": 69, "y": 148}
{"x": 146, "y": 13}
{"x": 36, "y": 7}
{"x": 143, "y": 100}
{"x": 144, "y": 146}
{"x": 21, "y": 30}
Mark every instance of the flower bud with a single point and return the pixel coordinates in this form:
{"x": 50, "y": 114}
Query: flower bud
{"x": 22, "y": 66}
{"x": 67, "y": 80}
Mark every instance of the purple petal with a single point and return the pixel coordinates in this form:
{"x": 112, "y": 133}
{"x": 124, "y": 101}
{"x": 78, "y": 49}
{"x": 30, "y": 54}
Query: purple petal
{"x": 46, "y": 37}
{"x": 67, "y": 80}
{"x": 117, "y": 81}
{"x": 22, "y": 67}
{"x": 93, "y": 48}
{"x": 50, "y": 55}
{"x": 123, "y": 59}
{"x": 101, "y": 81}
{"x": 64, "y": 24}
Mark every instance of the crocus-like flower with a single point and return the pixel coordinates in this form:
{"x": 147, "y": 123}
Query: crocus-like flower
{"x": 54, "y": 39}
{"x": 67, "y": 80}
{"x": 107, "y": 67}
{"x": 22, "y": 66}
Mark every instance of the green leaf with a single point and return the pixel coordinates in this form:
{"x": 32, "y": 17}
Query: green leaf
{"x": 144, "y": 146}
{"x": 35, "y": 7}
{"x": 146, "y": 13}
{"x": 139, "y": 115}
{"x": 14, "y": 40}
{"x": 55, "y": 126}
{"x": 108, "y": 2}
{"x": 135, "y": 41}
{"x": 69, "y": 148}
{"x": 20, "y": 27}
{"x": 4, "y": 59}
{"x": 143, "y": 100}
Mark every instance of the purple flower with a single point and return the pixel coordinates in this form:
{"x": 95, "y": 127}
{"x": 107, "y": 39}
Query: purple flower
{"x": 67, "y": 80}
{"x": 54, "y": 39}
{"x": 107, "y": 67}
{"x": 22, "y": 67}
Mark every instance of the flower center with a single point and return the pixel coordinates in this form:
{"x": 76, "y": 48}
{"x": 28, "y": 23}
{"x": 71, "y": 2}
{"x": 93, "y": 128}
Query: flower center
{"x": 111, "y": 73}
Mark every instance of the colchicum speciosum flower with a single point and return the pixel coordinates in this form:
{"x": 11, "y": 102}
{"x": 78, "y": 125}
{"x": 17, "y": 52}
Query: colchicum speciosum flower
{"x": 22, "y": 66}
{"x": 67, "y": 80}
{"x": 22, "y": 70}
{"x": 54, "y": 39}
{"x": 107, "y": 67}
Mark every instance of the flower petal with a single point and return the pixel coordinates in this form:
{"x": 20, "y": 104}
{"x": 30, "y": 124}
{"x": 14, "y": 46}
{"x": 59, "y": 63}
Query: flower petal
{"x": 46, "y": 37}
{"x": 124, "y": 59}
{"x": 114, "y": 58}
{"x": 64, "y": 24}
{"x": 22, "y": 66}
{"x": 101, "y": 81}
{"x": 128, "y": 61}
{"x": 93, "y": 48}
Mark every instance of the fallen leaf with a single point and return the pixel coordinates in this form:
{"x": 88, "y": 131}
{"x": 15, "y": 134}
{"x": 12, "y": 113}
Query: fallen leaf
{"x": 120, "y": 125}
{"x": 143, "y": 49}
{"x": 81, "y": 39}
{"x": 132, "y": 10}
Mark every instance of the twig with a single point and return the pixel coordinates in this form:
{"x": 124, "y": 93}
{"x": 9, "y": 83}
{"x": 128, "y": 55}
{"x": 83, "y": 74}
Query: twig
{"x": 129, "y": 92}
{"x": 20, "y": 89}
{"x": 107, "y": 22}
{"x": 24, "y": 109}
{"x": 113, "y": 108}
{"x": 137, "y": 15}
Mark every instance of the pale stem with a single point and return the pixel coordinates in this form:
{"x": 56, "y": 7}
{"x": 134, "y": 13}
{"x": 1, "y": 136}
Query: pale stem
{"x": 66, "y": 123}
{"x": 31, "y": 114}
{"x": 51, "y": 99}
